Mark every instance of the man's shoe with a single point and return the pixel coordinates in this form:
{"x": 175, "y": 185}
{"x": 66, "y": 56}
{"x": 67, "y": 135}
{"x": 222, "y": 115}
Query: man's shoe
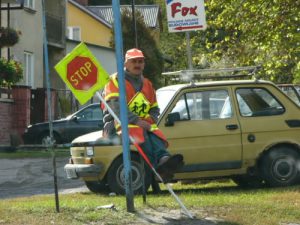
{"x": 170, "y": 165}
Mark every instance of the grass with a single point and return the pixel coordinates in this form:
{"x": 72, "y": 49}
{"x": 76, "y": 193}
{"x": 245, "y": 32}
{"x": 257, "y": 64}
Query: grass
{"x": 39, "y": 153}
{"x": 224, "y": 201}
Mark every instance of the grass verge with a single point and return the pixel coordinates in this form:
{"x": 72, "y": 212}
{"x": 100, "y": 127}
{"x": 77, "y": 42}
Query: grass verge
{"x": 213, "y": 203}
{"x": 38, "y": 153}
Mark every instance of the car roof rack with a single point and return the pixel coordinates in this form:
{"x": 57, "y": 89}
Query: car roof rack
{"x": 212, "y": 74}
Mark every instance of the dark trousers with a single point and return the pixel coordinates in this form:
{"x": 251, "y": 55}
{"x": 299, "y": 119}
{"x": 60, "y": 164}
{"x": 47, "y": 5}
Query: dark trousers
{"x": 154, "y": 148}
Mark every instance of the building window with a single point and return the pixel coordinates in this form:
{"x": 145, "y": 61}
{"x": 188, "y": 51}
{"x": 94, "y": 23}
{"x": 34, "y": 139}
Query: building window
{"x": 74, "y": 33}
{"x": 28, "y": 73}
{"x": 29, "y": 4}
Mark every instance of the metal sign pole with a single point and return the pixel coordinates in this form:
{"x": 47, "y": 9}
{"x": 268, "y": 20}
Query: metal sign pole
{"x": 45, "y": 45}
{"x": 123, "y": 105}
{"x": 188, "y": 50}
{"x": 134, "y": 24}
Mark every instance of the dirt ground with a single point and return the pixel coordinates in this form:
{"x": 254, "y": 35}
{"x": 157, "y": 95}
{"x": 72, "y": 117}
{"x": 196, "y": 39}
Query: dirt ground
{"x": 25, "y": 177}
{"x": 174, "y": 217}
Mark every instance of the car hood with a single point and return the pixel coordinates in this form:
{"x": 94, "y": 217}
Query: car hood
{"x": 89, "y": 137}
{"x": 94, "y": 139}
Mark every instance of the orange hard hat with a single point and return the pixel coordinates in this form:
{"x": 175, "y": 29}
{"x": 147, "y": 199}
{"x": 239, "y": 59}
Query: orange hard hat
{"x": 133, "y": 53}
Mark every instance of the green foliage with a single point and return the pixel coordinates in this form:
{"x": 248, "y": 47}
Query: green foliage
{"x": 242, "y": 33}
{"x": 146, "y": 42}
{"x": 239, "y": 33}
{"x": 11, "y": 72}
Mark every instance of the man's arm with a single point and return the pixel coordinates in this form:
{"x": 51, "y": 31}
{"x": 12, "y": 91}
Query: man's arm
{"x": 114, "y": 104}
{"x": 154, "y": 113}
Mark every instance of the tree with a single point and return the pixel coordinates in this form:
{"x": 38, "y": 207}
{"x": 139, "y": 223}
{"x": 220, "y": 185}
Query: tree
{"x": 146, "y": 42}
{"x": 242, "y": 33}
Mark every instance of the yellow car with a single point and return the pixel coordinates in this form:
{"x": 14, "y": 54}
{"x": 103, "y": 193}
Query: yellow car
{"x": 291, "y": 90}
{"x": 245, "y": 130}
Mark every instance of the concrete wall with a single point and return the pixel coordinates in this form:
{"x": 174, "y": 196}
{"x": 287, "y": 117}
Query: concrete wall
{"x": 29, "y": 22}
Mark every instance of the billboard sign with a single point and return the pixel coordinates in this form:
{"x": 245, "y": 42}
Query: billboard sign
{"x": 185, "y": 15}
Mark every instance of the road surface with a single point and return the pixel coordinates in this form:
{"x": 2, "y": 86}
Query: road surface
{"x": 25, "y": 177}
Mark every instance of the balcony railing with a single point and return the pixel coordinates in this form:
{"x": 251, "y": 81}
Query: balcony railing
{"x": 55, "y": 26}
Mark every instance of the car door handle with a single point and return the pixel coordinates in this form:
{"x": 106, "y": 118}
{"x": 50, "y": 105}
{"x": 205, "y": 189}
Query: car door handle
{"x": 232, "y": 127}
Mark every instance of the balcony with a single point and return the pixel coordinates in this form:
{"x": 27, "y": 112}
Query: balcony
{"x": 55, "y": 26}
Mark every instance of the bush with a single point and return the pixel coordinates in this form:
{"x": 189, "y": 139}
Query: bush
{"x": 11, "y": 72}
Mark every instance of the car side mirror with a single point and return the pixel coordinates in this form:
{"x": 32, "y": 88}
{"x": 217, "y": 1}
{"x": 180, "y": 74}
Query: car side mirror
{"x": 171, "y": 118}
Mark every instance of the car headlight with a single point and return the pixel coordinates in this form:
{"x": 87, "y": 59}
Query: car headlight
{"x": 27, "y": 128}
{"x": 90, "y": 151}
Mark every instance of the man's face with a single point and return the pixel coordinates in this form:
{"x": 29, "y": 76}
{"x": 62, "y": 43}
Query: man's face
{"x": 135, "y": 66}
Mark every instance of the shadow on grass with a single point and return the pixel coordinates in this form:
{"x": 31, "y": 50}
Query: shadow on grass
{"x": 198, "y": 188}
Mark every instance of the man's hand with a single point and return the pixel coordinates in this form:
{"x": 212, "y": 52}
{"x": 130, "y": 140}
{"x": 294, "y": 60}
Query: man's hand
{"x": 143, "y": 124}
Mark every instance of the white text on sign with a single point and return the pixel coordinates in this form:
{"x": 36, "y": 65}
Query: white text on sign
{"x": 81, "y": 73}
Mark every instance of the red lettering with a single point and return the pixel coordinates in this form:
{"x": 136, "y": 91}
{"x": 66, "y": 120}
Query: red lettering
{"x": 185, "y": 11}
{"x": 193, "y": 10}
{"x": 174, "y": 8}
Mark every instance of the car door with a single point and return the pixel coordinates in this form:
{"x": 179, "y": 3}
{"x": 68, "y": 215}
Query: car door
{"x": 263, "y": 118}
{"x": 85, "y": 121}
{"x": 206, "y": 132}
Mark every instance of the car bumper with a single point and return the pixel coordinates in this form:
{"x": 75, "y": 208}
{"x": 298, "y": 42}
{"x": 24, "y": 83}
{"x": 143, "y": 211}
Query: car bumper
{"x": 75, "y": 171}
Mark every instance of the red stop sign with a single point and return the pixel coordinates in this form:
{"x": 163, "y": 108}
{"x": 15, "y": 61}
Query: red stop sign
{"x": 82, "y": 73}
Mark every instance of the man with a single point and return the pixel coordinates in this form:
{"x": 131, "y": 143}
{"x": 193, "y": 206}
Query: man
{"x": 143, "y": 114}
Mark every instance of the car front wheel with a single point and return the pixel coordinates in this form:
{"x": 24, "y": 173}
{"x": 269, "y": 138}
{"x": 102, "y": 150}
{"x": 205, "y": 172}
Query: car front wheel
{"x": 116, "y": 176}
{"x": 279, "y": 167}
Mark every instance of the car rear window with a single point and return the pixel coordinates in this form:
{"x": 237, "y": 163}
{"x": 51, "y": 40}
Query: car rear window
{"x": 258, "y": 102}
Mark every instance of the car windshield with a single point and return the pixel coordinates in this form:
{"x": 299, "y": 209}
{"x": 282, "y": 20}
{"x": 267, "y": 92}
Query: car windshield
{"x": 164, "y": 97}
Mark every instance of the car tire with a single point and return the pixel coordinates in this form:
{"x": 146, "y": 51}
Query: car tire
{"x": 279, "y": 167}
{"x": 116, "y": 176}
{"x": 43, "y": 138}
{"x": 97, "y": 186}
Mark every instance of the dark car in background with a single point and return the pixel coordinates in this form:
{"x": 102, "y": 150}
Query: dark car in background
{"x": 85, "y": 120}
